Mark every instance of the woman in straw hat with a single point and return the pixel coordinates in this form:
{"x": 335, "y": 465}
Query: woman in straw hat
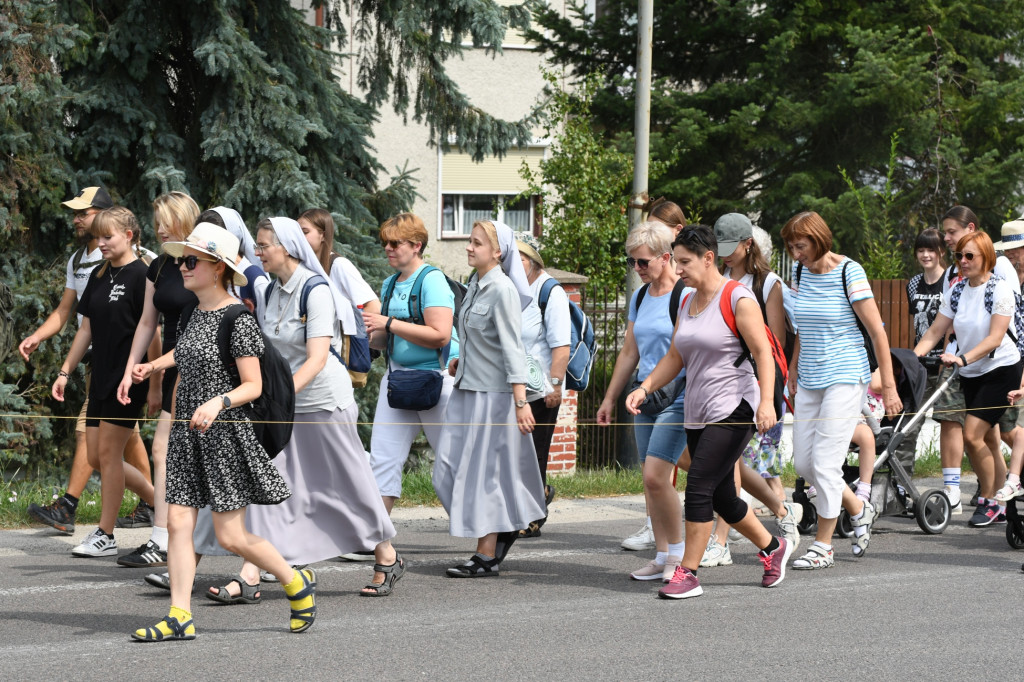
{"x": 215, "y": 459}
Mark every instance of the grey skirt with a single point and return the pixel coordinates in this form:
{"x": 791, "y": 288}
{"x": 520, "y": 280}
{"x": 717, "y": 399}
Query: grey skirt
{"x": 486, "y": 472}
{"x": 335, "y": 507}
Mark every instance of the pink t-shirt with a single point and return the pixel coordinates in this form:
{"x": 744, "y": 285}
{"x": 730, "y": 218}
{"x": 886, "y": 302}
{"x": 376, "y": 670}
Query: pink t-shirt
{"x": 714, "y": 385}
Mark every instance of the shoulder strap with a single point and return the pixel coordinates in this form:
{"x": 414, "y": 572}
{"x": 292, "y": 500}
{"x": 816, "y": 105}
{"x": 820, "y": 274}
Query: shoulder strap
{"x": 76, "y": 260}
{"x": 268, "y": 290}
{"x": 799, "y": 271}
{"x": 389, "y": 289}
{"x": 545, "y": 294}
{"x": 307, "y": 288}
{"x": 224, "y": 331}
{"x": 725, "y": 303}
{"x": 640, "y": 296}
{"x": 333, "y": 257}
{"x": 673, "y": 301}
{"x": 415, "y": 299}
{"x": 758, "y": 288}
{"x": 955, "y": 294}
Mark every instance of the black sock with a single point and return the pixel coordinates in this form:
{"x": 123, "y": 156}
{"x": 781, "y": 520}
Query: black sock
{"x": 772, "y": 546}
{"x": 72, "y": 501}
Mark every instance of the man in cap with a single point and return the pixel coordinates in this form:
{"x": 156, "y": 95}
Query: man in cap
{"x": 61, "y": 513}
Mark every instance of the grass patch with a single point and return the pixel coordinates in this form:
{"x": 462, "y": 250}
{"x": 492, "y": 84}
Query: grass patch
{"x": 15, "y": 497}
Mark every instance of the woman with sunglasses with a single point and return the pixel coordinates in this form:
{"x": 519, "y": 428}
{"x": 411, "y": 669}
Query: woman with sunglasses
{"x": 215, "y": 459}
{"x": 174, "y": 216}
{"x": 979, "y": 309}
{"x": 832, "y": 371}
{"x": 660, "y": 438}
{"x": 427, "y": 346}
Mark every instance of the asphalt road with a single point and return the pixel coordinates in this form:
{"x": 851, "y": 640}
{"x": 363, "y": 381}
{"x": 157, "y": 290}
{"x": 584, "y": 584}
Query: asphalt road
{"x": 563, "y": 608}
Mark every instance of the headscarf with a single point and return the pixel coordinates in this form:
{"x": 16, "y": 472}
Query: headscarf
{"x": 234, "y": 224}
{"x": 511, "y": 263}
{"x": 290, "y": 235}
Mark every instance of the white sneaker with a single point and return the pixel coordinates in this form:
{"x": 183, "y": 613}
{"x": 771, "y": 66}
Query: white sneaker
{"x": 953, "y": 493}
{"x": 640, "y": 540}
{"x": 96, "y": 544}
{"x": 1008, "y": 492}
{"x": 716, "y": 555}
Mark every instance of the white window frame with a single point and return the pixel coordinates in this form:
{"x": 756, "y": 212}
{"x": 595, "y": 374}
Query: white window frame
{"x": 502, "y": 197}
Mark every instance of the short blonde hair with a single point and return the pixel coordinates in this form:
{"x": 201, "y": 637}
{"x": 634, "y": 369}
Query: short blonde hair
{"x": 656, "y": 236}
{"x": 492, "y": 234}
{"x": 405, "y": 227}
{"x": 178, "y": 211}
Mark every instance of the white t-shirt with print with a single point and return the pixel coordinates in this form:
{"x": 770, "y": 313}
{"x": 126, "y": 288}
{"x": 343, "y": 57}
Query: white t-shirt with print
{"x": 972, "y": 323}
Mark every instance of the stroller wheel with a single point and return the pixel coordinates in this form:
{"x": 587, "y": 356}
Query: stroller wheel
{"x": 932, "y": 510}
{"x": 844, "y": 526}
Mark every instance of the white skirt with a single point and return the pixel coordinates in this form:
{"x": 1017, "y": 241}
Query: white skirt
{"x": 486, "y": 472}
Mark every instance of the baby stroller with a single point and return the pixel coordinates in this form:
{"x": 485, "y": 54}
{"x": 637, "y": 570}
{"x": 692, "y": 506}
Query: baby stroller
{"x": 893, "y": 492}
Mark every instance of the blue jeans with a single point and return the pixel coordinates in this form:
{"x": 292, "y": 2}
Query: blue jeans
{"x": 663, "y": 436}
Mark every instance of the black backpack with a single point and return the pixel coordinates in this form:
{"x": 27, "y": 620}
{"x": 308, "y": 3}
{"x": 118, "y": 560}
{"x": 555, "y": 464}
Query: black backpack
{"x": 273, "y": 412}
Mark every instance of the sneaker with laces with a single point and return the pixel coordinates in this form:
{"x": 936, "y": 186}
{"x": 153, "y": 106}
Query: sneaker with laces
{"x": 775, "y": 563}
{"x": 58, "y": 514}
{"x": 684, "y": 584}
{"x": 984, "y": 515}
{"x": 140, "y": 517}
{"x": 145, "y": 556}
{"x": 96, "y": 544}
{"x": 716, "y": 554}
{"x": 641, "y": 540}
{"x": 652, "y": 571}
{"x": 953, "y": 495}
{"x": 816, "y": 557}
{"x": 788, "y": 525}
{"x": 1008, "y": 492}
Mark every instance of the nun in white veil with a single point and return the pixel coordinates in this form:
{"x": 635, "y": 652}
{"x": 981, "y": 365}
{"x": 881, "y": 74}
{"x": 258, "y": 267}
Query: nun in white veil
{"x": 335, "y": 507}
{"x": 486, "y": 473}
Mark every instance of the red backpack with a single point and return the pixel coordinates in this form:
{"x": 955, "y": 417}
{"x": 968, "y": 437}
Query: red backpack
{"x": 778, "y": 352}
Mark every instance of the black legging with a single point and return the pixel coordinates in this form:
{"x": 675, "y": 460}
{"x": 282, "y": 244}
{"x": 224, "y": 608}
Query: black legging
{"x": 714, "y": 451}
{"x": 542, "y": 433}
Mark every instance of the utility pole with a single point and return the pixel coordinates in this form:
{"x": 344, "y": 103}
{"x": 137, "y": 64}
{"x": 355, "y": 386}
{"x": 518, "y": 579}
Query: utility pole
{"x": 627, "y": 455}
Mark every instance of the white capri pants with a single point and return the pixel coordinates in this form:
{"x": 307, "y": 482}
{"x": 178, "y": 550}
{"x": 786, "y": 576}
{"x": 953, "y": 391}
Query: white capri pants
{"x": 395, "y": 430}
{"x": 824, "y": 420}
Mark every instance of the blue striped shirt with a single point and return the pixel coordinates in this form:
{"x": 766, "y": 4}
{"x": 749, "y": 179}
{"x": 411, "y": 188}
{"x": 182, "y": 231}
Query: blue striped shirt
{"x": 831, "y": 346}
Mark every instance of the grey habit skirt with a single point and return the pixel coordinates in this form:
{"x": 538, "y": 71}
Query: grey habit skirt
{"x": 486, "y": 473}
{"x": 335, "y": 507}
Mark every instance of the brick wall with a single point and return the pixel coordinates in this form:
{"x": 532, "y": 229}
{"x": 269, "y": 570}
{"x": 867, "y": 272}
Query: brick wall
{"x": 562, "y": 458}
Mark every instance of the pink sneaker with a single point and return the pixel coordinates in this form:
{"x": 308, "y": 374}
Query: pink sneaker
{"x": 684, "y": 584}
{"x": 651, "y": 571}
{"x": 775, "y": 563}
{"x": 671, "y": 564}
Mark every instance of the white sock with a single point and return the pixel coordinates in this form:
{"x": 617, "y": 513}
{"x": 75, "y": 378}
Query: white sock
{"x": 159, "y": 537}
{"x": 864, "y": 490}
{"x": 1013, "y": 479}
{"x": 951, "y": 476}
{"x": 676, "y": 549}
{"x": 660, "y": 558}
{"x": 859, "y": 531}
{"x": 822, "y": 545}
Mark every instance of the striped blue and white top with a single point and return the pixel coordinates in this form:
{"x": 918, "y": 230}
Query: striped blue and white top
{"x": 831, "y": 346}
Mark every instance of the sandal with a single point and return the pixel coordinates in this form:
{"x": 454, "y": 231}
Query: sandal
{"x": 172, "y": 630}
{"x": 392, "y": 574}
{"x": 860, "y": 542}
{"x": 305, "y": 616}
{"x": 247, "y": 594}
{"x": 476, "y": 567}
{"x": 531, "y": 531}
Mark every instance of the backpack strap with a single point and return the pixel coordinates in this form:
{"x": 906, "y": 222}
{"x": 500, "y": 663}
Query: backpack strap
{"x": 729, "y": 315}
{"x": 955, "y": 294}
{"x": 307, "y": 288}
{"x": 799, "y": 271}
{"x": 415, "y": 305}
{"x": 224, "y": 331}
{"x": 268, "y": 290}
{"x": 640, "y": 296}
{"x": 389, "y": 290}
{"x": 545, "y": 294}
{"x": 415, "y": 296}
{"x": 673, "y": 301}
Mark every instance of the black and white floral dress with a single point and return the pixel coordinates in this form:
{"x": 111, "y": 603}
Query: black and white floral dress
{"x": 225, "y": 468}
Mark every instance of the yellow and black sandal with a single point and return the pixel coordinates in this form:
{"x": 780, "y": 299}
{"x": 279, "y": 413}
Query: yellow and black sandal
{"x": 303, "y": 602}
{"x": 169, "y": 629}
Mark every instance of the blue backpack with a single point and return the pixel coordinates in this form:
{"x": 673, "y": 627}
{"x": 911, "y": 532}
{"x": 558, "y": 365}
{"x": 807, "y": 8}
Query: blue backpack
{"x": 356, "y": 349}
{"x": 582, "y": 346}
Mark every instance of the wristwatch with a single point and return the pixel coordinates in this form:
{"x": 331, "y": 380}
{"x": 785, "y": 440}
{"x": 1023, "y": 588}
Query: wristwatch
{"x": 521, "y": 403}
{"x": 556, "y": 382}
{"x": 226, "y": 400}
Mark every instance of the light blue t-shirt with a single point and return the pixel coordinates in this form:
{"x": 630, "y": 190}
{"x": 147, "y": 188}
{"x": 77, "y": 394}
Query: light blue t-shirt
{"x": 436, "y": 294}
{"x": 652, "y": 329}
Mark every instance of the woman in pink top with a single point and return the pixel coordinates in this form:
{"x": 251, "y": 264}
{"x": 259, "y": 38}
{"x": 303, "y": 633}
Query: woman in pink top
{"x": 720, "y": 405}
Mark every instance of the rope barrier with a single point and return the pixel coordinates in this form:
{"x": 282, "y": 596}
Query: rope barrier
{"x": 565, "y": 422}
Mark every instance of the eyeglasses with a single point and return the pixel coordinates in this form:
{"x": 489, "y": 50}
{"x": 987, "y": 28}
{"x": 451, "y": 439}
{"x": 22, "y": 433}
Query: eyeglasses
{"x": 260, "y": 248}
{"x": 960, "y": 255}
{"x": 190, "y": 262}
{"x": 393, "y": 243}
{"x": 82, "y": 214}
{"x": 642, "y": 262}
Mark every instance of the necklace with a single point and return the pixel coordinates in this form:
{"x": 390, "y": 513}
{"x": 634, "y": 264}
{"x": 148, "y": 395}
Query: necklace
{"x": 697, "y": 303}
{"x": 113, "y": 275}
{"x": 281, "y": 307}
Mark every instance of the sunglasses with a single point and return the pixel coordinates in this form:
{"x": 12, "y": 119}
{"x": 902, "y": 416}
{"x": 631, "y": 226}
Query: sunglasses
{"x": 190, "y": 262}
{"x": 642, "y": 262}
{"x": 960, "y": 255}
{"x": 392, "y": 243}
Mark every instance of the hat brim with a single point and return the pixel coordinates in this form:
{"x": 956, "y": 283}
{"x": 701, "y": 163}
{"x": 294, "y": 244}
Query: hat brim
{"x": 530, "y": 252}
{"x": 1008, "y": 246}
{"x": 177, "y": 250}
{"x": 76, "y": 204}
{"x": 726, "y": 249}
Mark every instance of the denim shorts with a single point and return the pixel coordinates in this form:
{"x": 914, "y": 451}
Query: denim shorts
{"x": 663, "y": 436}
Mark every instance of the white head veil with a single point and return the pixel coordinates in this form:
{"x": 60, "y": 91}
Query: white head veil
{"x": 511, "y": 263}
{"x": 234, "y": 224}
{"x": 290, "y": 235}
